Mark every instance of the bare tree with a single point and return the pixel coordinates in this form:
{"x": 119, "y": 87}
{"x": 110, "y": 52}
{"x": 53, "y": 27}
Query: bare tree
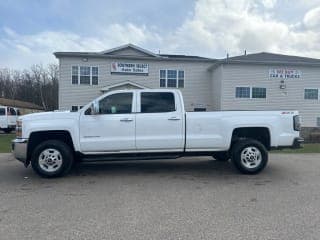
{"x": 38, "y": 85}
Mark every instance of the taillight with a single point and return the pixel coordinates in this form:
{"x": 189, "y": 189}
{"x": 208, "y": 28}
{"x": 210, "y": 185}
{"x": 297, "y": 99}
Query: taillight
{"x": 296, "y": 123}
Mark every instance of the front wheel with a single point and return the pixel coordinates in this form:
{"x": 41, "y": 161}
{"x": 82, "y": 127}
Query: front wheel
{"x": 52, "y": 158}
{"x": 249, "y": 156}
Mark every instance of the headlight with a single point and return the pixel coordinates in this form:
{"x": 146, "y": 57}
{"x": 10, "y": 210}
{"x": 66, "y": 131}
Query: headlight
{"x": 296, "y": 123}
{"x": 19, "y": 129}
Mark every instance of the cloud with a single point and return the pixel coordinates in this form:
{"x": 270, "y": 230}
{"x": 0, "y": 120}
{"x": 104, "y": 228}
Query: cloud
{"x": 21, "y": 51}
{"x": 220, "y": 27}
{"x": 312, "y": 18}
{"x": 269, "y": 3}
{"x": 215, "y": 28}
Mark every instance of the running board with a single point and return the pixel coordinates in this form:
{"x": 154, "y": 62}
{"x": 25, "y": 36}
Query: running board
{"x": 101, "y": 158}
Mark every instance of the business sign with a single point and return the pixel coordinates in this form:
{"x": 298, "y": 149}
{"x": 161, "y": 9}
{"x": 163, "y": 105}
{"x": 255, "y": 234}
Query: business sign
{"x": 284, "y": 73}
{"x": 129, "y": 68}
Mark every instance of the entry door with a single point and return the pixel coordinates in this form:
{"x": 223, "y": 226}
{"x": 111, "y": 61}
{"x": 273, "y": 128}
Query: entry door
{"x": 113, "y": 129}
{"x": 159, "y": 124}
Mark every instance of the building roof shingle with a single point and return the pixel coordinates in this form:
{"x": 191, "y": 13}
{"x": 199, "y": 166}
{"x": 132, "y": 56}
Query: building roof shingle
{"x": 254, "y": 58}
{"x": 265, "y": 57}
{"x": 109, "y": 54}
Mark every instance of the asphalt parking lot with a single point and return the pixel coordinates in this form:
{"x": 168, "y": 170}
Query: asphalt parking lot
{"x": 194, "y": 198}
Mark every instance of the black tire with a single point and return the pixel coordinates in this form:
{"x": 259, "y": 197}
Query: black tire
{"x": 66, "y": 157}
{"x": 7, "y": 130}
{"x": 249, "y": 145}
{"x": 221, "y": 156}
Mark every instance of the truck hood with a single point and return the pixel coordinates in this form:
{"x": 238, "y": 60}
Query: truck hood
{"x": 50, "y": 116}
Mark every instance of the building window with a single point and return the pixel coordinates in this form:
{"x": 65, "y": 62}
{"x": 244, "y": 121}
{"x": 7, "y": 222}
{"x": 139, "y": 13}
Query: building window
{"x": 248, "y": 92}
{"x": 75, "y": 75}
{"x": 95, "y": 73}
{"x": 74, "y": 108}
{"x": 85, "y": 75}
{"x": 199, "y": 109}
{"x": 172, "y": 78}
{"x": 242, "y": 92}
{"x": 259, "y": 92}
{"x": 181, "y": 79}
{"x": 318, "y": 121}
{"x": 311, "y": 93}
{"x": 163, "y": 77}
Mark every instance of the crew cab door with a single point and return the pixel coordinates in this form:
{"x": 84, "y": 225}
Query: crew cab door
{"x": 113, "y": 129}
{"x": 12, "y": 116}
{"x": 159, "y": 122}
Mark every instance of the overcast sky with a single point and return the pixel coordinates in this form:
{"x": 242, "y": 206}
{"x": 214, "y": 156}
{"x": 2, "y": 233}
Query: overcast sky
{"x": 30, "y": 31}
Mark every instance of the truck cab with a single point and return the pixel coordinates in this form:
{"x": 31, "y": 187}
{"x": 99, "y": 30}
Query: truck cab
{"x": 134, "y": 121}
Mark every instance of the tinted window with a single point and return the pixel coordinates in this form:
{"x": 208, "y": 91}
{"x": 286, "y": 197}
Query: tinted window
{"x": 11, "y": 111}
{"x": 157, "y": 102}
{"x": 118, "y": 103}
{"x": 2, "y": 111}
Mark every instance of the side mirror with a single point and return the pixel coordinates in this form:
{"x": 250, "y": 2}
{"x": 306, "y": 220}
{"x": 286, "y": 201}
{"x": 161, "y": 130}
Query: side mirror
{"x": 95, "y": 107}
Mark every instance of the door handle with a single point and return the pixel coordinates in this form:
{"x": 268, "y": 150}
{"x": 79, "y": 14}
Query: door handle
{"x": 126, "y": 119}
{"x": 174, "y": 119}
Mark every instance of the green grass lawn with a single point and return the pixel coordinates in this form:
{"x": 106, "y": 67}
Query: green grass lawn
{"x": 5, "y": 142}
{"x": 307, "y": 148}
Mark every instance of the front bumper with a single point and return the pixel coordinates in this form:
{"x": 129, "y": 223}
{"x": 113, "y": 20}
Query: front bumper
{"x": 19, "y": 149}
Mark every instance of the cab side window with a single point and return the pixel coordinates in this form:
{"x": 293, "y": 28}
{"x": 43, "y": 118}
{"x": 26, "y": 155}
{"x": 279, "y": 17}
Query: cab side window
{"x": 157, "y": 102}
{"x": 13, "y": 112}
{"x": 2, "y": 111}
{"x": 118, "y": 103}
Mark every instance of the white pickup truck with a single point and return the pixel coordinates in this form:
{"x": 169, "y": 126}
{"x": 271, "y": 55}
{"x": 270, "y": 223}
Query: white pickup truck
{"x": 150, "y": 124}
{"x": 8, "y": 118}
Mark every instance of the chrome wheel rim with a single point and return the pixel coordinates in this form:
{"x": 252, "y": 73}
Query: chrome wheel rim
{"x": 251, "y": 157}
{"x": 50, "y": 160}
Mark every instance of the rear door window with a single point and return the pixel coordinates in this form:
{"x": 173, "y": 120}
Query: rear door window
{"x": 2, "y": 111}
{"x": 157, "y": 102}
